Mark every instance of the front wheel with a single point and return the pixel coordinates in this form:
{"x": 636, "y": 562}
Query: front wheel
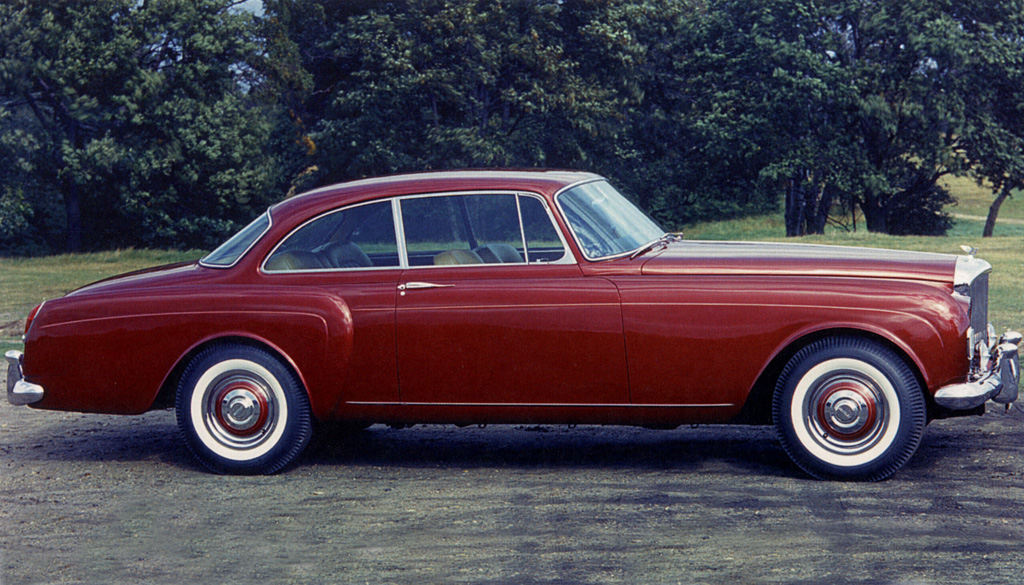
{"x": 241, "y": 410}
{"x": 849, "y": 408}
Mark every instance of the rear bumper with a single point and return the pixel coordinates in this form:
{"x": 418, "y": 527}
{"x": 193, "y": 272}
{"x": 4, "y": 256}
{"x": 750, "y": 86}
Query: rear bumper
{"x": 20, "y": 391}
{"x": 999, "y": 383}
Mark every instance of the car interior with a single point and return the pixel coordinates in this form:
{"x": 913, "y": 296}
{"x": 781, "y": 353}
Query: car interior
{"x": 439, "y": 231}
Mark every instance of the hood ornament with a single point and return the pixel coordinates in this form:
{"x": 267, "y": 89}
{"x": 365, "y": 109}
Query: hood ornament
{"x": 971, "y": 251}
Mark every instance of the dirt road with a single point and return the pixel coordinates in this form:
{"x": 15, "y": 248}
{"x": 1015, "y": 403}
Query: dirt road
{"x": 101, "y": 499}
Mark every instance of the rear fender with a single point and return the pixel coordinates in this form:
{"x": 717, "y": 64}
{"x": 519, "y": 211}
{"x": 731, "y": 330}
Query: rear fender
{"x": 97, "y": 354}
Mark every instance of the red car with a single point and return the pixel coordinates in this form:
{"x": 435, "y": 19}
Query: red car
{"x": 522, "y": 297}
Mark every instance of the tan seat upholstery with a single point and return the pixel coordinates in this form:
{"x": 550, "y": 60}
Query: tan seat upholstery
{"x": 499, "y": 254}
{"x": 346, "y": 256}
{"x": 452, "y": 257}
{"x": 294, "y": 260}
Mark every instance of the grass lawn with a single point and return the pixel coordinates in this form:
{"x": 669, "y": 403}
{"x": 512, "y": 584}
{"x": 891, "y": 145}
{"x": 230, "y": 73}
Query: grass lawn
{"x": 974, "y": 200}
{"x": 25, "y": 282}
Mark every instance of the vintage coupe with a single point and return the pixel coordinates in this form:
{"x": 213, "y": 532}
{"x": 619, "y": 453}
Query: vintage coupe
{"x": 522, "y": 297}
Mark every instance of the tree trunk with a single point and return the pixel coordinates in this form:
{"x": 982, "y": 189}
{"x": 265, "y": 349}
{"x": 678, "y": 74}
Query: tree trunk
{"x": 875, "y": 216}
{"x": 993, "y": 213}
{"x": 819, "y": 217}
{"x": 72, "y": 207}
{"x": 795, "y": 204}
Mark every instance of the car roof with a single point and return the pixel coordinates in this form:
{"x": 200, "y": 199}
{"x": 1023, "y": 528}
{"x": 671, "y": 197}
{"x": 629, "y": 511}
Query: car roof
{"x": 545, "y": 182}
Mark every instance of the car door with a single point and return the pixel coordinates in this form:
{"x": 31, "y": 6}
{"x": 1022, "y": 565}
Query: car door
{"x": 494, "y": 310}
{"x": 353, "y": 253}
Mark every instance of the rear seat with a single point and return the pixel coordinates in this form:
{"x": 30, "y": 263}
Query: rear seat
{"x": 332, "y": 257}
{"x": 452, "y": 257}
{"x": 295, "y": 260}
{"x": 499, "y": 254}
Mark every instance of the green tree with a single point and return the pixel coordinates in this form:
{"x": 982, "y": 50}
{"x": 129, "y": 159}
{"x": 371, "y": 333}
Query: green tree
{"x": 133, "y": 115}
{"x": 467, "y": 84}
{"x": 993, "y": 138}
{"x": 758, "y": 95}
{"x": 865, "y": 102}
{"x": 428, "y": 84}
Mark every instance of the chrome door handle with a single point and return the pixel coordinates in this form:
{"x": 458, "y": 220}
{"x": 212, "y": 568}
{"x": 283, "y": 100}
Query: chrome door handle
{"x": 420, "y": 286}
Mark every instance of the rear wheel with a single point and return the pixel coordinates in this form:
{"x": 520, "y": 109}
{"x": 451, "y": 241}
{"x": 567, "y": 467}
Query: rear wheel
{"x": 241, "y": 410}
{"x": 849, "y": 408}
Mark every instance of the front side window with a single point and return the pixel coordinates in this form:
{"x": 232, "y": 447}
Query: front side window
{"x": 478, "y": 229}
{"x": 604, "y": 222}
{"x": 232, "y": 250}
{"x": 543, "y": 244}
{"x": 358, "y": 237}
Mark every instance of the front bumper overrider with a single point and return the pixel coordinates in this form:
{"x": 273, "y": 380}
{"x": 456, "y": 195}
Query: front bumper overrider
{"x": 998, "y": 379}
{"x": 19, "y": 391}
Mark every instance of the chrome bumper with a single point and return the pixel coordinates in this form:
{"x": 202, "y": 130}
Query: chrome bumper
{"x": 19, "y": 391}
{"x": 998, "y": 383}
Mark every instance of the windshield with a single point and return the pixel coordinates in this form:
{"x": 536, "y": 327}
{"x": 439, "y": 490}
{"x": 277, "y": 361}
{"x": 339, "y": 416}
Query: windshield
{"x": 604, "y": 222}
{"x": 230, "y": 251}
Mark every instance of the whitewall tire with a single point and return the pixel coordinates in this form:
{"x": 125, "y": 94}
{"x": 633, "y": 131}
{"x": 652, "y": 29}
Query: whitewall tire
{"x": 241, "y": 410}
{"x": 849, "y": 408}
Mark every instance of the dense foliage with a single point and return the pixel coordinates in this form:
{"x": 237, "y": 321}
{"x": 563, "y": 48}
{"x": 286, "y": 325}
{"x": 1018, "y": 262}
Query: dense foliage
{"x": 169, "y": 122}
{"x": 127, "y": 123}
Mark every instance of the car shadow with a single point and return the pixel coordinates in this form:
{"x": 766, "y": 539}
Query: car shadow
{"x": 551, "y": 446}
{"x": 154, "y": 436}
{"x": 709, "y": 449}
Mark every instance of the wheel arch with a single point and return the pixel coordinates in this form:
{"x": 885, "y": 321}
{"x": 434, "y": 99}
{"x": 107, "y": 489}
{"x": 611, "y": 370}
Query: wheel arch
{"x": 757, "y": 410}
{"x": 165, "y": 396}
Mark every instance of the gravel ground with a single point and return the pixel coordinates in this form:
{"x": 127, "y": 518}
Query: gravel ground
{"x": 104, "y": 499}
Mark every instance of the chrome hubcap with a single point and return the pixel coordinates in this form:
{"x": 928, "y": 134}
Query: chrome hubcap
{"x": 242, "y": 408}
{"x": 846, "y": 412}
{"x": 239, "y": 409}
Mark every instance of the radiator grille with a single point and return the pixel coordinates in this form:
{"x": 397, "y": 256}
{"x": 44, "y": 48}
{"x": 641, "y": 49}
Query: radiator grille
{"x": 979, "y": 307}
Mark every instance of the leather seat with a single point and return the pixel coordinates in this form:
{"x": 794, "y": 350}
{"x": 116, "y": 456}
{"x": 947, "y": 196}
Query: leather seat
{"x": 452, "y": 257}
{"x": 346, "y": 255}
{"x": 499, "y": 254}
{"x": 294, "y": 260}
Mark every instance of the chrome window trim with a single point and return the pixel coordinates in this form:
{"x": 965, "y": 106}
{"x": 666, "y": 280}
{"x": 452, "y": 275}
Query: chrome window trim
{"x": 396, "y": 218}
{"x": 256, "y": 240}
{"x": 567, "y": 256}
{"x": 522, "y": 232}
{"x": 263, "y": 264}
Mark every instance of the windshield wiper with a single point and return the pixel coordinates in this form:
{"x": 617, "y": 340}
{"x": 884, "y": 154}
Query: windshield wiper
{"x": 664, "y": 240}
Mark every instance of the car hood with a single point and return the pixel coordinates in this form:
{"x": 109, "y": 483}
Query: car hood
{"x": 779, "y": 259}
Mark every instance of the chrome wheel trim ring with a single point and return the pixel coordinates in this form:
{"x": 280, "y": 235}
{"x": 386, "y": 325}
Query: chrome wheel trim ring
{"x": 238, "y": 410}
{"x": 845, "y": 412}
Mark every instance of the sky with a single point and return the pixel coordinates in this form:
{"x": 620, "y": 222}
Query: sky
{"x": 255, "y": 6}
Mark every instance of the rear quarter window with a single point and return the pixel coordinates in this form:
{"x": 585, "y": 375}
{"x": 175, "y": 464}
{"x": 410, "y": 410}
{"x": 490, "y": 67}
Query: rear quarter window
{"x": 231, "y": 251}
